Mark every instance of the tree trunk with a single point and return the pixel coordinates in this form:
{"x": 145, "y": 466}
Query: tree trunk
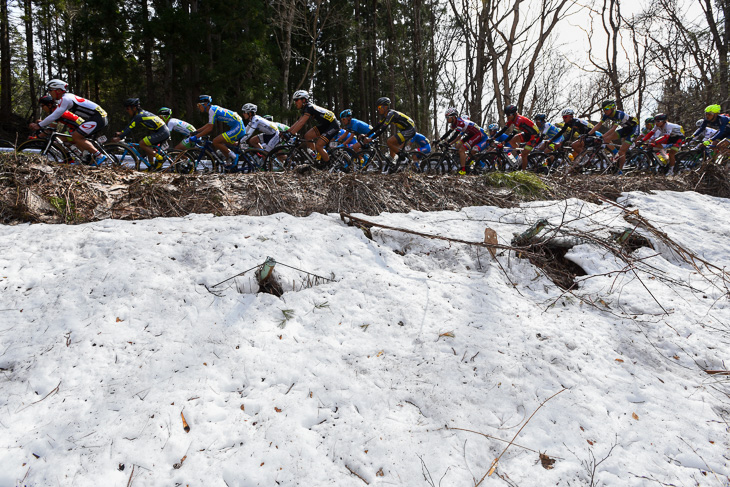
{"x": 28, "y": 21}
{"x": 5, "y": 66}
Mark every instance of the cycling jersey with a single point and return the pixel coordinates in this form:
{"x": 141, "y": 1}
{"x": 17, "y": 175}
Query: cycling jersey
{"x": 548, "y": 130}
{"x": 320, "y": 115}
{"x": 659, "y": 133}
{"x": 260, "y": 124}
{"x": 402, "y": 122}
{"x": 575, "y": 126}
{"x": 145, "y": 119}
{"x": 620, "y": 118}
{"x": 421, "y": 142}
{"x": 720, "y": 124}
{"x": 706, "y": 135}
{"x": 236, "y": 130}
{"x": 358, "y": 127}
{"x": 180, "y": 126}
{"x": 82, "y": 107}
{"x": 70, "y": 120}
{"x": 523, "y": 124}
{"x": 281, "y": 127}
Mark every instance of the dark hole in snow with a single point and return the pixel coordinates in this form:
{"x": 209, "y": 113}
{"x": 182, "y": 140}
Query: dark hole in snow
{"x": 551, "y": 260}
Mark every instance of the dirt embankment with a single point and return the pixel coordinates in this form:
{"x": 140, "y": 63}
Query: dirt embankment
{"x": 31, "y": 190}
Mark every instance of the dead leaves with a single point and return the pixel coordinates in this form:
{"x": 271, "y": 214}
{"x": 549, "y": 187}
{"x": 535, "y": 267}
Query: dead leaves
{"x": 546, "y": 462}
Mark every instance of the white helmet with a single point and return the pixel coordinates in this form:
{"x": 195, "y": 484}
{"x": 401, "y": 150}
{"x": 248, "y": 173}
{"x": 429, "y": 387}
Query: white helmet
{"x": 452, "y": 112}
{"x": 300, "y": 94}
{"x": 568, "y": 111}
{"x": 57, "y": 84}
{"x": 700, "y": 122}
{"x": 249, "y": 108}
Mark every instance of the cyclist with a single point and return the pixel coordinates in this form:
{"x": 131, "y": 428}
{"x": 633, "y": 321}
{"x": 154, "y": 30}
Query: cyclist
{"x": 547, "y": 132}
{"x": 327, "y": 126}
{"x": 529, "y": 135}
{"x": 179, "y": 126}
{"x": 258, "y": 124}
{"x": 94, "y": 117}
{"x": 280, "y": 126}
{"x": 67, "y": 120}
{"x": 236, "y": 129}
{"x": 706, "y": 134}
{"x": 473, "y": 137}
{"x": 354, "y": 126}
{"x": 667, "y": 134}
{"x": 151, "y": 122}
{"x": 713, "y": 119}
{"x": 625, "y": 135}
{"x": 648, "y": 126}
{"x": 406, "y": 128}
{"x": 420, "y": 143}
{"x": 573, "y": 126}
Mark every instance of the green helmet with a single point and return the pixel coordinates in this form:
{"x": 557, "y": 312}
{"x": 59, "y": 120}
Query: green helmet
{"x": 713, "y": 109}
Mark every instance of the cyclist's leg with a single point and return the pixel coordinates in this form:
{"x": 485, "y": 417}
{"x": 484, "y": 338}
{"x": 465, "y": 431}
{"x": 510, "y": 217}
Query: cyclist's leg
{"x": 255, "y": 142}
{"x": 327, "y": 133}
{"x": 149, "y": 143}
{"x": 314, "y": 133}
{"x": 529, "y": 145}
{"x": 231, "y": 137}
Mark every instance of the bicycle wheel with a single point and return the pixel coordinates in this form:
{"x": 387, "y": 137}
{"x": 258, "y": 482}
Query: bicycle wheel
{"x": 282, "y": 158}
{"x": 537, "y": 162}
{"x": 123, "y": 154}
{"x": 690, "y": 160}
{"x": 416, "y": 159}
{"x": 6, "y": 146}
{"x": 54, "y": 152}
{"x": 342, "y": 160}
{"x": 483, "y": 164}
{"x": 371, "y": 161}
{"x": 184, "y": 162}
{"x": 252, "y": 160}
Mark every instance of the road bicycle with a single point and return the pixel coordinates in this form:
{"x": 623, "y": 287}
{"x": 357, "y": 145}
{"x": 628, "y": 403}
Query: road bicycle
{"x": 295, "y": 152}
{"x": 57, "y": 147}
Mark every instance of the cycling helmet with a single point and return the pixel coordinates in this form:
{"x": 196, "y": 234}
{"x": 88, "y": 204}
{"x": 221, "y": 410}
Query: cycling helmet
{"x": 132, "y": 102}
{"x": 493, "y": 126}
{"x": 649, "y": 120}
{"x": 699, "y": 122}
{"x": 540, "y": 117}
{"x": 269, "y": 118}
{"x": 57, "y": 84}
{"x": 249, "y": 108}
{"x": 713, "y": 109}
{"x": 568, "y": 111}
{"x": 608, "y": 105}
{"x": 510, "y": 110}
{"x": 164, "y": 111}
{"x": 452, "y": 112}
{"x": 383, "y": 100}
{"x": 46, "y": 100}
{"x": 299, "y": 94}
{"x": 205, "y": 99}
{"x": 346, "y": 113}
{"x": 660, "y": 117}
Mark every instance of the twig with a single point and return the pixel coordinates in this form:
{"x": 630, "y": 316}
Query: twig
{"x": 356, "y": 475}
{"x": 496, "y": 460}
{"x": 55, "y": 389}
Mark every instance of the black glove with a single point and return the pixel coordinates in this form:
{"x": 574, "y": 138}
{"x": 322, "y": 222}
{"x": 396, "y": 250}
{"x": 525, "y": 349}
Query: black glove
{"x": 285, "y": 136}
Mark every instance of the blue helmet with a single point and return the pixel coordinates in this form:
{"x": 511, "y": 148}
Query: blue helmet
{"x": 493, "y": 126}
{"x": 205, "y": 99}
{"x": 346, "y": 113}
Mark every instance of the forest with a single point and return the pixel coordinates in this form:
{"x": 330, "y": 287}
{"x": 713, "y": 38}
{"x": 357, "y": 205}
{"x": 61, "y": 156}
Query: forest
{"x": 476, "y": 55}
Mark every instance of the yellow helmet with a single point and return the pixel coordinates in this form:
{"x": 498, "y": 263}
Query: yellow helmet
{"x": 712, "y": 109}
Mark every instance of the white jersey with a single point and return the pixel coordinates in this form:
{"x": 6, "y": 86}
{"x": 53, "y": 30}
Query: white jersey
{"x": 707, "y": 134}
{"x": 180, "y": 126}
{"x": 75, "y": 104}
{"x": 670, "y": 129}
{"x": 262, "y": 125}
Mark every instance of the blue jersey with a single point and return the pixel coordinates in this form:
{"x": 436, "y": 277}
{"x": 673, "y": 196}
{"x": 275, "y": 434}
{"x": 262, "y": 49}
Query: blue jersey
{"x": 220, "y": 114}
{"x": 358, "y": 127}
{"x": 621, "y": 118}
{"x": 421, "y": 142}
{"x": 721, "y": 124}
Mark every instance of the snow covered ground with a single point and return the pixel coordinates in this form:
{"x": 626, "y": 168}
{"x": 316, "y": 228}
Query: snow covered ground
{"x": 108, "y": 333}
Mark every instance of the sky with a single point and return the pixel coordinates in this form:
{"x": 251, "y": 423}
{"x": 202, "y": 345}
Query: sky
{"x": 416, "y": 364}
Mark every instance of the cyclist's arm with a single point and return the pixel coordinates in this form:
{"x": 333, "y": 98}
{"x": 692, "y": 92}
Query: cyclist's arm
{"x": 204, "y": 130}
{"x": 596, "y": 128}
{"x": 299, "y": 124}
{"x": 54, "y": 115}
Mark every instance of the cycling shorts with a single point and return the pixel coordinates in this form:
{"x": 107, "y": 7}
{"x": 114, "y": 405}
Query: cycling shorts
{"x": 405, "y": 135}
{"x": 158, "y": 136}
{"x": 530, "y": 141}
{"x": 475, "y": 141}
{"x": 187, "y": 144}
{"x": 269, "y": 141}
{"x": 95, "y": 124}
{"x": 628, "y": 134}
{"x": 425, "y": 149}
{"x": 235, "y": 134}
{"x": 328, "y": 131}
{"x": 674, "y": 142}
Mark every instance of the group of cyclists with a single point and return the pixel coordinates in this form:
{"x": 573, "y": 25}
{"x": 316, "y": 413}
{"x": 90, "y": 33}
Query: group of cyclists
{"x": 85, "y": 119}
